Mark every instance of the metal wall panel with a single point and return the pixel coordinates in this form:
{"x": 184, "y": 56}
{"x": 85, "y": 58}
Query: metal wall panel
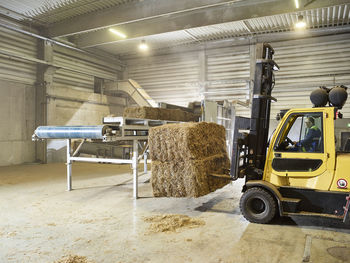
{"x": 78, "y": 71}
{"x": 171, "y": 79}
{"x": 307, "y": 65}
{"x": 228, "y": 75}
{"x": 12, "y": 68}
{"x": 223, "y": 74}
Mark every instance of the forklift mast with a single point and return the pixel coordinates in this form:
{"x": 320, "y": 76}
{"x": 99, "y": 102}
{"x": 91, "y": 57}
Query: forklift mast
{"x": 250, "y": 138}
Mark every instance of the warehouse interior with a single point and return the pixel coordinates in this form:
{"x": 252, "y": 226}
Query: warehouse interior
{"x": 78, "y": 62}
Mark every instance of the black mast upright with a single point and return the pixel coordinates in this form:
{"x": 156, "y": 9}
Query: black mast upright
{"x": 249, "y": 150}
{"x": 261, "y": 105}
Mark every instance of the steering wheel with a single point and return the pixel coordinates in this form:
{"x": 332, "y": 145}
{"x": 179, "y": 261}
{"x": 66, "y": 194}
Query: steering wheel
{"x": 289, "y": 141}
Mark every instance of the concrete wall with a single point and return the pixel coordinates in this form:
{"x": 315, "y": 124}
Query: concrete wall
{"x": 33, "y": 95}
{"x": 69, "y": 106}
{"x": 17, "y": 121}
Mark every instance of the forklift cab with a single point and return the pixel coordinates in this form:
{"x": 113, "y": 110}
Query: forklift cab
{"x": 301, "y": 154}
{"x": 302, "y": 133}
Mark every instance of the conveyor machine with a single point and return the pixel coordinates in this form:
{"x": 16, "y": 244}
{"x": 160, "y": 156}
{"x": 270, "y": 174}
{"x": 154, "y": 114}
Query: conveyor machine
{"x": 98, "y": 132}
{"x": 101, "y": 133}
{"x": 114, "y": 129}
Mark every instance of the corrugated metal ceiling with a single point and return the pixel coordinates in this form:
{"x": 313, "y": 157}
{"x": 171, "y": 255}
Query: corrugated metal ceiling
{"x": 317, "y": 18}
{"x": 52, "y": 11}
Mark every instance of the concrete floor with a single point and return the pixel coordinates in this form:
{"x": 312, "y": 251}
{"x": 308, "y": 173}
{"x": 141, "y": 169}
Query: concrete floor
{"x": 41, "y": 222}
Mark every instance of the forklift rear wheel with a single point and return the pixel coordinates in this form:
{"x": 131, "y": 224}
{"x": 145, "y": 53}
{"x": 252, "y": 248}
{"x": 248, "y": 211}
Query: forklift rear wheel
{"x": 258, "y": 206}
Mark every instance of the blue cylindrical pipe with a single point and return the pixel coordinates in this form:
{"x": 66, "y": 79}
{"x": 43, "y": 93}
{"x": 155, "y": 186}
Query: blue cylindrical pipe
{"x": 71, "y": 132}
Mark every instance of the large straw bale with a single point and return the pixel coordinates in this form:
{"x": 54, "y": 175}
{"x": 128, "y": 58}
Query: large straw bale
{"x": 184, "y": 141}
{"x": 159, "y": 114}
{"x": 178, "y": 115}
{"x": 141, "y": 113}
{"x": 183, "y": 157}
{"x": 189, "y": 116}
{"x": 165, "y": 114}
{"x": 188, "y": 178}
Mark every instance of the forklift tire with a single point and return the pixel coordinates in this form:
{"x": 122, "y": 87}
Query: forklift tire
{"x": 258, "y": 206}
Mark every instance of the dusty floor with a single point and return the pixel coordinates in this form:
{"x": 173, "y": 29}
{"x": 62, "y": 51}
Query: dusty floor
{"x": 41, "y": 222}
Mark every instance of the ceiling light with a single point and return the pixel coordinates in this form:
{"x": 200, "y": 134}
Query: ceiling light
{"x": 296, "y": 3}
{"x": 119, "y": 34}
{"x": 143, "y": 46}
{"x": 300, "y": 24}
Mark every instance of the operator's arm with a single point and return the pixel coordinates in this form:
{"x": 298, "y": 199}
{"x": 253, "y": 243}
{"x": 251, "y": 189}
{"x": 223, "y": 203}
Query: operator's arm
{"x": 311, "y": 134}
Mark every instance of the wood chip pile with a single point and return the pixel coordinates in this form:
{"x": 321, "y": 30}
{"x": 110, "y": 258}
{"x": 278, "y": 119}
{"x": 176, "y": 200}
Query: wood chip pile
{"x": 159, "y": 114}
{"x": 171, "y": 223}
{"x": 183, "y": 155}
{"x": 74, "y": 259}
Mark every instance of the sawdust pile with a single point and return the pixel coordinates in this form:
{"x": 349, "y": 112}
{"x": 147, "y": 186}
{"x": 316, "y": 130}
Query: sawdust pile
{"x": 74, "y": 259}
{"x": 159, "y": 114}
{"x": 183, "y": 155}
{"x": 171, "y": 223}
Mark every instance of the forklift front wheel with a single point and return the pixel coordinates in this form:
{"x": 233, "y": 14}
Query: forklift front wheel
{"x": 258, "y": 206}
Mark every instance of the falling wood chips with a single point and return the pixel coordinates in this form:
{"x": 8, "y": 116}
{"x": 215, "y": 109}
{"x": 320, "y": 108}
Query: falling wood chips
{"x": 74, "y": 259}
{"x": 171, "y": 223}
{"x": 183, "y": 157}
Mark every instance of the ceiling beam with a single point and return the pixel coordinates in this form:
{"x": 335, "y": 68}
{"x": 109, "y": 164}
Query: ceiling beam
{"x": 135, "y": 11}
{"x": 316, "y": 35}
{"x": 202, "y": 17}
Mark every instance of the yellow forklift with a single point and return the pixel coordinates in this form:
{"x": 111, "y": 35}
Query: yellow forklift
{"x": 298, "y": 171}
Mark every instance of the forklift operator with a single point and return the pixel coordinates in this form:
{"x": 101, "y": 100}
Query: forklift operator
{"x": 310, "y": 142}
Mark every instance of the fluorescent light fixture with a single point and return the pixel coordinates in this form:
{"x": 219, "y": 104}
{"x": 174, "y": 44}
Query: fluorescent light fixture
{"x": 300, "y": 24}
{"x": 296, "y": 3}
{"x": 143, "y": 46}
{"x": 119, "y": 34}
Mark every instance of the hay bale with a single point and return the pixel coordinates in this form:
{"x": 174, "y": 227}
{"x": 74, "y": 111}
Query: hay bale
{"x": 184, "y": 141}
{"x": 141, "y": 113}
{"x": 188, "y": 178}
{"x": 178, "y": 115}
{"x": 189, "y": 116}
{"x": 158, "y": 114}
{"x": 183, "y": 155}
{"x": 165, "y": 114}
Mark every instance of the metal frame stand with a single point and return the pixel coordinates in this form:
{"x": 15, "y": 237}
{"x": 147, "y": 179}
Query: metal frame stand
{"x": 145, "y": 162}
{"x": 134, "y": 169}
{"x": 134, "y": 162}
{"x": 69, "y": 166}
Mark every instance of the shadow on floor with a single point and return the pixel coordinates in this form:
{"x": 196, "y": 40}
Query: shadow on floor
{"x": 314, "y": 222}
{"x": 213, "y": 205}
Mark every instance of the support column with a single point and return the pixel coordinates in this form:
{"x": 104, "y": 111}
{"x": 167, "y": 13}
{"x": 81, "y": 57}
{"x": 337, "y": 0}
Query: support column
{"x": 134, "y": 169}
{"x": 202, "y": 58}
{"x": 69, "y": 166}
{"x": 44, "y": 81}
{"x": 145, "y": 162}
